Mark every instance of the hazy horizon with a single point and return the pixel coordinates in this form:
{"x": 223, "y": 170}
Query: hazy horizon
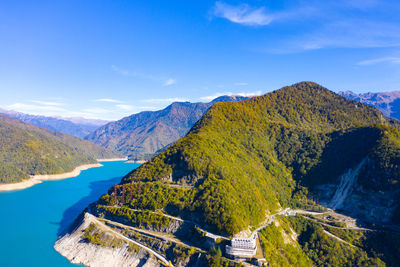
{"x": 111, "y": 59}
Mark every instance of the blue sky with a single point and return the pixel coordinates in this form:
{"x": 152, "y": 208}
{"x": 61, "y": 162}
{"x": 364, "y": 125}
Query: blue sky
{"x": 109, "y": 59}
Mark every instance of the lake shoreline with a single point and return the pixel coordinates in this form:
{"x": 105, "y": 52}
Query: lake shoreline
{"x": 112, "y": 159}
{"x": 136, "y": 161}
{"x": 37, "y": 179}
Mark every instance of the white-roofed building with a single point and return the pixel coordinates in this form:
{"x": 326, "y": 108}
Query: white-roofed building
{"x": 242, "y": 247}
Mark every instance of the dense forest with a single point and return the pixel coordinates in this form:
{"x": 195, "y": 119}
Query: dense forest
{"x": 245, "y": 159}
{"x": 28, "y": 150}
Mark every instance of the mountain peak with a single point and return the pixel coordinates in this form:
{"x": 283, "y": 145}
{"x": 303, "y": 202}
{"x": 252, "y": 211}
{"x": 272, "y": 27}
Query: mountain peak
{"x": 229, "y": 98}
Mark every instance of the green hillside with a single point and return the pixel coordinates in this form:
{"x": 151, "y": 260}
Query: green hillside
{"x": 247, "y": 159}
{"x": 245, "y": 155}
{"x": 27, "y": 150}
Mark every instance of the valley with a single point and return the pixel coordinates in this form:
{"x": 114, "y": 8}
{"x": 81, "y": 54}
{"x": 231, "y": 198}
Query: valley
{"x": 208, "y": 133}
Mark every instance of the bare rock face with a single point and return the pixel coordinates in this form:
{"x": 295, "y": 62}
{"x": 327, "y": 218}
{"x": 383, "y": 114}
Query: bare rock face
{"x": 78, "y": 251}
{"x": 353, "y": 197}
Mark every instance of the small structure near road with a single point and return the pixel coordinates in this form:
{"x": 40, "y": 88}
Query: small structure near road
{"x": 242, "y": 247}
{"x": 291, "y": 213}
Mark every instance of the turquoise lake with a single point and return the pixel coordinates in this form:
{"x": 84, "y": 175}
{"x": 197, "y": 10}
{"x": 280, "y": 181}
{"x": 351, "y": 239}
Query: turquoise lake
{"x": 31, "y": 219}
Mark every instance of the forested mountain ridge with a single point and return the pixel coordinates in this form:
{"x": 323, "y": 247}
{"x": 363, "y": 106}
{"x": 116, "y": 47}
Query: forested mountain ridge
{"x": 141, "y": 135}
{"x": 70, "y": 126}
{"x": 387, "y": 102}
{"x": 28, "y": 150}
{"x": 291, "y": 148}
{"x": 268, "y": 140}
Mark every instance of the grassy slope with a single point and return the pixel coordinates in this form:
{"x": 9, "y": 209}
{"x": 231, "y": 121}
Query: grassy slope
{"x": 26, "y": 150}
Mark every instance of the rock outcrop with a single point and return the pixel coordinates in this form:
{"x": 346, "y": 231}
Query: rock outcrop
{"x": 73, "y": 246}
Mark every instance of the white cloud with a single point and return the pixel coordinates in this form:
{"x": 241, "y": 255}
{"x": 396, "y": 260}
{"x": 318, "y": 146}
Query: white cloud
{"x": 50, "y": 109}
{"x": 124, "y": 107}
{"x": 169, "y": 82}
{"x": 109, "y": 100}
{"x": 394, "y": 60}
{"x": 34, "y": 109}
{"x": 246, "y": 94}
{"x": 47, "y": 103}
{"x": 165, "y": 100}
{"x": 243, "y": 14}
{"x": 327, "y": 24}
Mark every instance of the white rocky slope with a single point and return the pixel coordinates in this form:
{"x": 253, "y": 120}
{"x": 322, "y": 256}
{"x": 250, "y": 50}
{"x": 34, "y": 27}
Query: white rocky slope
{"x": 347, "y": 181}
{"x": 76, "y": 250}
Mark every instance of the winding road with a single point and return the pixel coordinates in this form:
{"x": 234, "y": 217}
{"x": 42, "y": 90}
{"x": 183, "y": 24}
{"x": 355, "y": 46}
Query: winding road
{"x": 107, "y": 228}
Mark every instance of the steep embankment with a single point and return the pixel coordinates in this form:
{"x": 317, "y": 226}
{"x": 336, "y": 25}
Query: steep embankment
{"x": 27, "y": 150}
{"x": 119, "y": 253}
{"x": 141, "y": 135}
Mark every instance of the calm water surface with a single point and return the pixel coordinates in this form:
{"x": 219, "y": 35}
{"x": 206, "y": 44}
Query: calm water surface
{"x": 30, "y": 219}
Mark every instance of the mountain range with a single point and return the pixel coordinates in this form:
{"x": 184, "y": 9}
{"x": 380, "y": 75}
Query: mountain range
{"x": 241, "y": 166}
{"x": 78, "y": 127}
{"x": 29, "y": 150}
{"x": 141, "y": 135}
{"x": 387, "y": 102}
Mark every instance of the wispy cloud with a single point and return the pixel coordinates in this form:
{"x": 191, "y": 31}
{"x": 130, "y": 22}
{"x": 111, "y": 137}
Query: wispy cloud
{"x": 352, "y": 33}
{"x": 165, "y": 81}
{"x": 247, "y": 15}
{"x": 169, "y": 82}
{"x": 165, "y": 100}
{"x": 37, "y": 106}
{"x": 327, "y": 24}
{"x": 125, "y": 107}
{"x": 393, "y": 60}
{"x": 34, "y": 109}
{"x": 242, "y": 14}
{"x": 47, "y": 103}
{"x": 247, "y": 94}
{"x": 109, "y": 100}
{"x": 111, "y": 112}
